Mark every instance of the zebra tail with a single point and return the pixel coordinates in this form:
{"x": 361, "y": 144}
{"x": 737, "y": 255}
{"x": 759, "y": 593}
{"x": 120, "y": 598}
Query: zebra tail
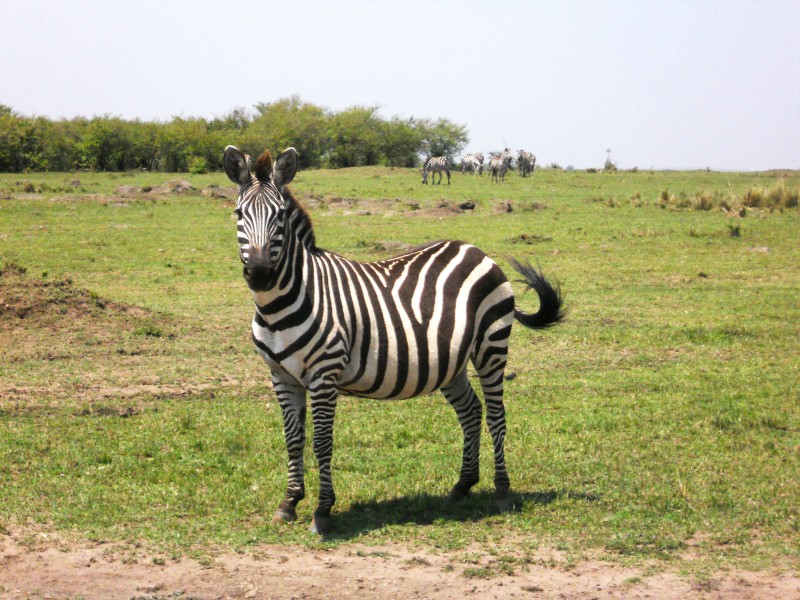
{"x": 551, "y": 302}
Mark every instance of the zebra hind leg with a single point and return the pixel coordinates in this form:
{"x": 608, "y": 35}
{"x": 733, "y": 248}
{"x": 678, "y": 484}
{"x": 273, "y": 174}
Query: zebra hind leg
{"x": 491, "y": 377}
{"x": 462, "y": 398}
{"x": 323, "y": 409}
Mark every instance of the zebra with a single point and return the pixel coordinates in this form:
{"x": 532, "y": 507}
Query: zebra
{"x": 436, "y": 164}
{"x": 499, "y": 164}
{"x": 526, "y": 162}
{"x": 396, "y": 328}
{"x": 472, "y": 163}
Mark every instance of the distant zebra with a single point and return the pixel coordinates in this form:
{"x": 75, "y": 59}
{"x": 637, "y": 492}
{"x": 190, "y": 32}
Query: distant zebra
{"x": 499, "y": 164}
{"x": 525, "y": 162}
{"x": 472, "y": 163}
{"x": 395, "y": 328}
{"x": 436, "y": 164}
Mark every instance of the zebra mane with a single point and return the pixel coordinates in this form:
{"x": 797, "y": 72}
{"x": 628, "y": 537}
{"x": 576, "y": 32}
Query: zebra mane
{"x": 300, "y": 220}
{"x": 263, "y": 169}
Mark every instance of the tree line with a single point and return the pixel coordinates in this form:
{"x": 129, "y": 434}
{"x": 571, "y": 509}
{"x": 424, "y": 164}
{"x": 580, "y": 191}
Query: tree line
{"x": 354, "y": 137}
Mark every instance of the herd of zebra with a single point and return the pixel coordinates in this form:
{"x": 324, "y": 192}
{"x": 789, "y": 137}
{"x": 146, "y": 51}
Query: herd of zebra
{"x": 396, "y": 328}
{"x": 499, "y": 164}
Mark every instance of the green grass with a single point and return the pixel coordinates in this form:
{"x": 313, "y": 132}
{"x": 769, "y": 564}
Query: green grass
{"x": 662, "y": 415}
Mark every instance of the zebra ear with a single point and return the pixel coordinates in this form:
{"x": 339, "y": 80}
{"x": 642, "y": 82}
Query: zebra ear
{"x": 285, "y": 167}
{"x": 236, "y": 166}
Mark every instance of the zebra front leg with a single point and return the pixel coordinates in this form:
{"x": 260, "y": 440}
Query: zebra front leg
{"x": 292, "y": 400}
{"x": 462, "y": 398}
{"x": 323, "y": 410}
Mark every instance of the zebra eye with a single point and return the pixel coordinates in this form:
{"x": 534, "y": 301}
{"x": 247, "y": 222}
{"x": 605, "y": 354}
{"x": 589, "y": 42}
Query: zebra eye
{"x": 238, "y": 213}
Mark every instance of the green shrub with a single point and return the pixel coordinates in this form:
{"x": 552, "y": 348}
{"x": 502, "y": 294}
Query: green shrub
{"x": 198, "y": 165}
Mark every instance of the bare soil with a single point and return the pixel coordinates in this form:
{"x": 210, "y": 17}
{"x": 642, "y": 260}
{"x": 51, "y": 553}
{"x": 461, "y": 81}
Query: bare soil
{"x": 45, "y": 566}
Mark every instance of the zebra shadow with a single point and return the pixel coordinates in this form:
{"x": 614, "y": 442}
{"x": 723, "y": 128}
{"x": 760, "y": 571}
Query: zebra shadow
{"x": 428, "y": 509}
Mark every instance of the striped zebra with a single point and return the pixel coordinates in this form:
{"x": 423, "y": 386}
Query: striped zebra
{"x": 500, "y": 163}
{"x": 525, "y": 162}
{"x": 395, "y": 328}
{"x": 436, "y": 164}
{"x": 472, "y": 163}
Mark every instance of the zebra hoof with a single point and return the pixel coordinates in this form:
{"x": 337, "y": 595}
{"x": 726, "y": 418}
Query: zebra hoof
{"x": 504, "y": 503}
{"x": 283, "y": 516}
{"x": 321, "y": 524}
{"x": 456, "y": 495}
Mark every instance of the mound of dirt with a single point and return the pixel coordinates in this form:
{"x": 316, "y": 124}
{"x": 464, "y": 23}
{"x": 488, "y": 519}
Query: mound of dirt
{"x": 176, "y": 186}
{"x": 503, "y": 208}
{"x": 215, "y": 191}
{"x": 443, "y": 211}
{"x": 23, "y": 297}
{"x": 76, "y": 344}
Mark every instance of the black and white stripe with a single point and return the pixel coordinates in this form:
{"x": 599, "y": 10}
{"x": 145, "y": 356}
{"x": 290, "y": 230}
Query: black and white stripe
{"x": 436, "y": 164}
{"x": 472, "y": 163}
{"x": 499, "y": 163}
{"x": 394, "y": 328}
{"x": 526, "y": 162}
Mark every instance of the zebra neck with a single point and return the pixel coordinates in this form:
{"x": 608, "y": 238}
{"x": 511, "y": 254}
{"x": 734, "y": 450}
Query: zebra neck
{"x": 300, "y": 226}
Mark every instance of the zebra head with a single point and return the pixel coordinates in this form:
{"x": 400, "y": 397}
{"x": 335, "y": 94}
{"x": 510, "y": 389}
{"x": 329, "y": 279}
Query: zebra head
{"x": 261, "y": 211}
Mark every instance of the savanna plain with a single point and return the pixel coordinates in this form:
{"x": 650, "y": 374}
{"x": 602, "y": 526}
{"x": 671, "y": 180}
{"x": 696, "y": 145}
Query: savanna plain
{"x": 653, "y": 437}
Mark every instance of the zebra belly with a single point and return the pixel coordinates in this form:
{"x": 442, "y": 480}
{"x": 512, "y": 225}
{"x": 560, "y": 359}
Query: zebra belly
{"x": 411, "y": 384}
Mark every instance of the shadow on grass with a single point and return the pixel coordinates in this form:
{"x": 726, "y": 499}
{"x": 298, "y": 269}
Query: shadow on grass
{"x": 427, "y": 509}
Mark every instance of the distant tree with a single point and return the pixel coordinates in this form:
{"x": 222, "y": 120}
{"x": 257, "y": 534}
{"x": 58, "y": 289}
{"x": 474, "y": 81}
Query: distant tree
{"x": 12, "y": 133}
{"x": 289, "y": 122}
{"x": 37, "y": 133}
{"x": 355, "y": 135}
{"x": 61, "y": 145}
{"x": 142, "y": 145}
{"x": 236, "y": 120}
{"x": 609, "y": 165}
{"x": 400, "y": 143}
{"x": 442, "y": 137}
{"x": 105, "y": 145}
{"x": 180, "y": 140}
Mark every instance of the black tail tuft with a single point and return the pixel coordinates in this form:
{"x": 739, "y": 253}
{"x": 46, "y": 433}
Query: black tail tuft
{"x": 551, "y": 303}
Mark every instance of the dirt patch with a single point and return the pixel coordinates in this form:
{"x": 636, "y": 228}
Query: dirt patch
{"x": 76, "y": 347}
{"x": 321, "y": 206}
{"x": 215, "y": 191}
{"x": 176, "y": 186}
{"x": 42, "y": 565}
{"x": 440, "y": 212}
{"x": 34, "y": 300}
{"x": 74, "y": 340}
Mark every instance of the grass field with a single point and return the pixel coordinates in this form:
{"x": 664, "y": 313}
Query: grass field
{"x": 660, "y": 422}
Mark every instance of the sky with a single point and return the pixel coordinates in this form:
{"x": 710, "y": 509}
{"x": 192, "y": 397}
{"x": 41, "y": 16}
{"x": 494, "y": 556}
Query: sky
{"x": 674, "y": 84}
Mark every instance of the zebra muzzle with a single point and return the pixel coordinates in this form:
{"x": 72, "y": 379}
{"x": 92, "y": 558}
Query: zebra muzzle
{"x": 259, "y": 270}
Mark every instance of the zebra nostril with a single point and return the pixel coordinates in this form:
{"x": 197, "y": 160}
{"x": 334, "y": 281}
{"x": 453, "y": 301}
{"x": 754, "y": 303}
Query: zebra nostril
{"x": 258, "y": 271}
{"x": 259, "y": 277}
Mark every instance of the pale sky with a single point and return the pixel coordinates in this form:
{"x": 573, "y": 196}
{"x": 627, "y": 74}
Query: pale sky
{"x": 664, "y": 84}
